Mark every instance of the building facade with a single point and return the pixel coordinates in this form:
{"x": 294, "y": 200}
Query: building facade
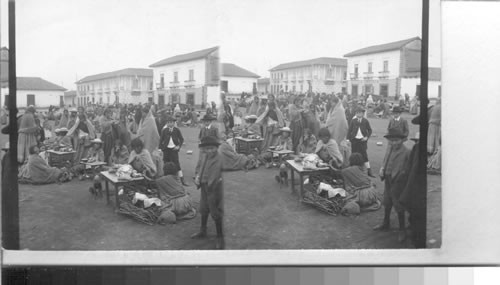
{"x": 236, "y": 80}
{"x": 70, "y": 98}
{"x": 388, "y": 70}
{"x": 191, "y": 78}
{"x": 130, "y": 85}
{"x": 320, "y": 75}
{"x": 263, "y": 85}
{"x": 38, "y": 92}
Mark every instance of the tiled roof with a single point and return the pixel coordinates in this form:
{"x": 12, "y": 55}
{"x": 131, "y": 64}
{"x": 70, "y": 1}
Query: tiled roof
{"x": 381, "y": 48}
{"x": 123, "y": 72}
{"x": 320, "y": 60}
{"x": 263, "y": 81}
{"x": 37, "y": 83}
{"x": 232, "y": 70}
{"x": 185, "y": 57}
{"x": 434, "y": 74}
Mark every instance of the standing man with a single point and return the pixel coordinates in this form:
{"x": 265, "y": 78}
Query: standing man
{"x": 394, "y": 173}
{"x": 358, "y": 134}
{"x": 171, "y": 141}
{"x": 227, "y": 115}
{"x": 208, "y": 178}
{"x": 396, "y": 122}
{"x": 208, "y": 128}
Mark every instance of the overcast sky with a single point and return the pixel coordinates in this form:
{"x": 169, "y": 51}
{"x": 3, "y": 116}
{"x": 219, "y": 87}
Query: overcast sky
{"x": 62, "y": 40}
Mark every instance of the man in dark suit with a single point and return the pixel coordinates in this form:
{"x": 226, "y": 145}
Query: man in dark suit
{"x": 399, "y": 123}
{"x": 358, "y": 134}
{"x": 171, "y": 141}
{"x": 208, "y": 128}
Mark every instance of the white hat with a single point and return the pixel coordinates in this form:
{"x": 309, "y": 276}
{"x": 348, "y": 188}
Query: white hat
{"x": 57, "y": 130}
{"x": 285, "y": 129}
{"x": 251, "y": 117}
{"x": 62, "y": 130}
{"x": 97, "y": 140}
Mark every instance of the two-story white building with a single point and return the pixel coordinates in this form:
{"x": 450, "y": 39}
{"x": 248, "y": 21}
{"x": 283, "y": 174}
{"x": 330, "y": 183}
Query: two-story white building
{"x": 236, "y": 80}
{"x": 38, "y": 92}
{"x": 389, "y": 69}
{"x": 321, "y": 75}
{"x": 191, "y": 78}
{"x": 130, "y": 85}
{"x": 263, "y": 85}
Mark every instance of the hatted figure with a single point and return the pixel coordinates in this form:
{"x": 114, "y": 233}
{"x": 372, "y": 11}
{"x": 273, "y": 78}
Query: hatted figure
{"x": 208, "y": 128}
{"x": 170, "y": 143}
{"x": 394, "y": 173}
{"x": 358, "y": 134}
{"x": 27, "y": 134}
{"x": 272, "y": 121}
{"x": 85, "y": 133}
{"x": 296, "y": 123}
{"x": 208, "y": 178}
{"x": 106, "y": 123}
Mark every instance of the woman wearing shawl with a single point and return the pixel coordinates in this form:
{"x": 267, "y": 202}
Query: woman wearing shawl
{"x": 148, "y": 131}
{"x": 37, "y": 171}
{"x": 27, "y": 134}
{"x": 119, "y": 154}
{"x": 63, "y": 122}
{"x": 253, "y": 109}
{"x": 312, "y": 120}
{"x": 84, "y": 132}
{"x": 231, "y": 160}
{"x": 106, "y": 122}
{"x": 296, "y": 124}
{"x": 359, "y": 186}
{"x": 272, "y": 121}
{"x": 141, "y": 160}
{"x": 336, "y": 123}
{"x": 328, "y": 150}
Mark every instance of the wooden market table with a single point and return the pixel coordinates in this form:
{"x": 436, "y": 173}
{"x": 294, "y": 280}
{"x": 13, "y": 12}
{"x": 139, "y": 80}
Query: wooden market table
{"x": 58, "y": 158}
{"x": 92, "y": 166}
{"x": 117, "y": 182}
{"x": 246, "y": 145}
{"x": 299, "y": 168}
{"x": 280, "y": 154}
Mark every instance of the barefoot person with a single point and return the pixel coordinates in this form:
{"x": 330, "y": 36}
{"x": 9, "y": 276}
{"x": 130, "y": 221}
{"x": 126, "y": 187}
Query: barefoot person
{"x": 208, "y": 178}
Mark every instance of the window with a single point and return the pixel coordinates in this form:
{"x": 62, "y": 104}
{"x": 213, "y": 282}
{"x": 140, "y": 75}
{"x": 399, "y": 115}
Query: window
{"x": 386, "y": 65}
{"x": 162, "y": 81}
{"x": 384, "y": 90}
{"x": 135, "y": 83}
{"x": 191, "y": 75}
{"x": 190, "y": 99}
{"x": 369, "y": 67}
{"x": 176, "y": 77}
{"x": 354, "y": 90}
{"x": 345, "y": 75}
{"x": 30, "y": 100}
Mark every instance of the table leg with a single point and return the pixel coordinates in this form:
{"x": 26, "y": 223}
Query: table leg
{"x": 292, "y": 180}
{"x": 107, "y": 192}
{"x": 301, "y": 186}
{"x": 117, "y": 200}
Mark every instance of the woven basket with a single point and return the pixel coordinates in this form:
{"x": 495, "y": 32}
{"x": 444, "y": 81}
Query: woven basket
{"x": 59, "y": 160}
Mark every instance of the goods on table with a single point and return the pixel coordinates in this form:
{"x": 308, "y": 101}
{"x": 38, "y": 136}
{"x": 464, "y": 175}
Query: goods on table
{"x": 127, "y": 172}
{"x": 312, "y": 161}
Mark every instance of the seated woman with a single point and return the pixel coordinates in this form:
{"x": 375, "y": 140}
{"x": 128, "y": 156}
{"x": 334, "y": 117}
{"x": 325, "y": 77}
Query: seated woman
{"x": 328, "y": 150}
{"x": 37, "y": 171}
{"x": 358, "y": 185}
{"x": 119, "y": 153}
{"x": 96, "y": 153}
{"x": 251, "y": 128}
{"x": 284, "y": 142}
{"x": 309, "y": 142}
{"x": 231, "y": 160}
{"x": 173, "y": 194}
{"x": 141, "y": 159}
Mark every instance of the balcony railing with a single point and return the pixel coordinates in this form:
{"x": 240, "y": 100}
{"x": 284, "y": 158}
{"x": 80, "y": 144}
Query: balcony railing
{"x": 174, "y": 84}
{"x": 354, "y": 76}
{"x": 368, "y": 75}
{"x": 383, "y": 74}
{"x": 189, "y": 83}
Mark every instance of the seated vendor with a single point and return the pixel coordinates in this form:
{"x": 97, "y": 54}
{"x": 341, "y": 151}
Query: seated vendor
{"x": 37, "y": 171}
{"x": 231, "y": 160}
{"x": 251, "y": 128}
{"x": 141, "y": 159}
{"x": 119, "y": 153}
{"x": 358, "y": 184}
{"x": 309, "y": 142}
{"x": 328, "y": 150}
{"x": 96, "y": 153}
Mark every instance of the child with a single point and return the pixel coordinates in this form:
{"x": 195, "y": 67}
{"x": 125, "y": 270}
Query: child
{"x": 208, "y": 178}
{"x": 171, "y": 141}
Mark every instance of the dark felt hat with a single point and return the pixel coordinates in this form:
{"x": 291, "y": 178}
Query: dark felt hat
{"x": 394, "y": 133}
{"x": 209, "y": 141}
{"x": 170, "y": 119}
{"x": 208, "y": 117}
{"x": 360, "y": 109}
{"x": 397, "y": 109}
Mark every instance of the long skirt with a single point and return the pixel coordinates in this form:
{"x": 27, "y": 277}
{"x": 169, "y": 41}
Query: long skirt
{"x": 25, "y": 141}
{"x": 297, "y": 128}
{"x": 366, "y": 198}
{"x": 108, "y": 143}
{"x": 271, "y": 135}
{"x": 433, "y": 138}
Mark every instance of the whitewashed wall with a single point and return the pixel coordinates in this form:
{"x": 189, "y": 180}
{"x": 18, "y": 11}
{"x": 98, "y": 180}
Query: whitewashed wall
{"x": 237, "y": 85}
{"x": 377, "y": 59}
{"x": 409, "y": 85}
{"x": 42, "y": 98}
{"x": 183, "y": 73}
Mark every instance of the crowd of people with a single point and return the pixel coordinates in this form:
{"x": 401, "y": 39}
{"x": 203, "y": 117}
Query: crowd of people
{"x": 332, "y": 126}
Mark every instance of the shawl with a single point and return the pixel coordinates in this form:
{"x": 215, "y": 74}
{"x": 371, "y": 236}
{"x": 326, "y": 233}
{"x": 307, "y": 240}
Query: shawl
{"x": 74, "y": 128}
{"x": 145, "y": 158}
{"x": 120, "y": 157}
{"x": 254, "y": 109}
{"x": 336, "y": 123}
{"x": 169, "y": 187}
{"x": 98, "y": 155}
{"x": 398, "y": 159}
{"x": 294, "y": 113}
{"x": 332, "y": 148}
{"x": 28, "y": 124}
{"x": 284, "y": 144}
{"x": 63, "y": 122}
{"x": 230, "y": 159}
{"x": 309, "y": 144}
{"x": 38, "y": 171}
{"x": 355, "y": 178}
{"x": 148, "y": 132}
{"x": 263, "y": 116}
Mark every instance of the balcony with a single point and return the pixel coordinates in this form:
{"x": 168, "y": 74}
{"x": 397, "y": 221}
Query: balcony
{"x": 368, "y": 75}
{"x": 383, "y": 74}
{"x": 189, "y": 83}
{"x": 354, "y": 76}
{"x": 174, "y": 85}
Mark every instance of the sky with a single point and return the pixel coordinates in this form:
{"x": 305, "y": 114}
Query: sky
{"x": 65, "y": 40}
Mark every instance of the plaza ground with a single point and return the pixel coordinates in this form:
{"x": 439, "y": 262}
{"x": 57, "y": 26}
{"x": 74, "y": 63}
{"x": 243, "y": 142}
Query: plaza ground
{"x": 259, "y": 214}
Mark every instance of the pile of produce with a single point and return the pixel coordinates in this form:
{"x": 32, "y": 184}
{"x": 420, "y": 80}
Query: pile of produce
{"x": 125, "y": 171}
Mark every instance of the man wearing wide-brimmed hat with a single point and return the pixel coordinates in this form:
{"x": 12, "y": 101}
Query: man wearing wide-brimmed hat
{"x": 208, "y": 178}
{"x": 358, "y": 134}
{"x": 171, "y": 141}
{"x": 208, "y": 128}
{"x": 397, "y": 122}
{"x": 394, "y": 173}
